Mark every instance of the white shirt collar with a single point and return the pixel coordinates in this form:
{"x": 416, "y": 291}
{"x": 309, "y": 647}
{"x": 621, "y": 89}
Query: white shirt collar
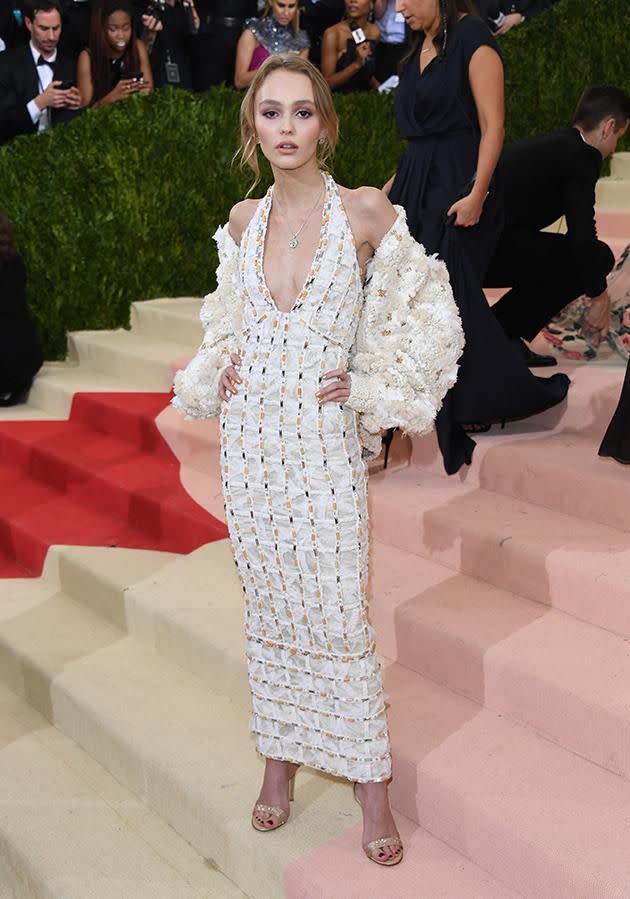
{"x": 36, "y": 54}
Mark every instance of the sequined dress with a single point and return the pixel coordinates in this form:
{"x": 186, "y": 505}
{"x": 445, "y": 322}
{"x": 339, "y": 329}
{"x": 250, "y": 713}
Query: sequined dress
{"x": 296, "y": 504}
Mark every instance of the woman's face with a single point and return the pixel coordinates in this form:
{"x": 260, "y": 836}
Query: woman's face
{"x": 355, "y": 9}
{"x": 118, "y": 31}
{"x": 420, "y": 15}
{"x": 283, "y": 11}
{"x": 286, "y": 119}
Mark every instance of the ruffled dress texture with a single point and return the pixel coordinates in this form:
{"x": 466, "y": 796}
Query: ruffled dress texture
{"x": 294, "y": 472}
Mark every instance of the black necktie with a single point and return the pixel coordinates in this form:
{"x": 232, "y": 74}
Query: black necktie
{"x": 45, "y": 62}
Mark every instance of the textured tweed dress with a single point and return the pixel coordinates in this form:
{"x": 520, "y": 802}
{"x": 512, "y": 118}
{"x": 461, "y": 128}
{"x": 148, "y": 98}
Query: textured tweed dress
{"x": 296, "y": 503}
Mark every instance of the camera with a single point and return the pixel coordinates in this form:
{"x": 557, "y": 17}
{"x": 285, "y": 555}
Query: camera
{"x": 156, "y": 9}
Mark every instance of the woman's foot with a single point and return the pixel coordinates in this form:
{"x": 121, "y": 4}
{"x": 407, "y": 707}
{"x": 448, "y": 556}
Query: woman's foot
{"x": 272, "y": 806}
{"x": 381, "y": 841}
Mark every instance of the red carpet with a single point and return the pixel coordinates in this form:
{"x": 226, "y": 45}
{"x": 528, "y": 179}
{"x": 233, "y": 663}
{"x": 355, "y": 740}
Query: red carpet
{"x": 105, "y": 477}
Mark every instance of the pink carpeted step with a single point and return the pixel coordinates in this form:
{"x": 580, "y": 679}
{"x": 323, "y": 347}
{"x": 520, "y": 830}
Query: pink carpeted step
{"x": 580, "y": 567}
{"x": 507, "y": 653}
{"x": 429, "y": 870}
{"x": 561, "y": 472}
{"x": 544, "y": 821}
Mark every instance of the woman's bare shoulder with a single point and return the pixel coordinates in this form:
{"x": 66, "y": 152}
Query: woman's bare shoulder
{"x": 241, "y": 215}
{"x": 370, "y": 209}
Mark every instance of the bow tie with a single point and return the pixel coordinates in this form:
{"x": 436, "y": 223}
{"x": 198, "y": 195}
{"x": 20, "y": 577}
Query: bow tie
{"x": 45, "y": 62}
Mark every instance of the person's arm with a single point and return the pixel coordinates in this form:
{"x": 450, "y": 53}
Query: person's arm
{"x": 330, "y": 56}
{"x": 84, "y": 78}
{"x": 485, "y": 73}
{"x": 247, "y": 43}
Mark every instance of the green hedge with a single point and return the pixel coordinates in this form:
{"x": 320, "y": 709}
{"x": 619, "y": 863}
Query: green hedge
{"x": 121, "y": 204}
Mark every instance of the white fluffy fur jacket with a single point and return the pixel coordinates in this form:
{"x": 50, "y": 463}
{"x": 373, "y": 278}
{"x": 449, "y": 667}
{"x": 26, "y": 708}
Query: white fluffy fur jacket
{"x": 404, "y": 359}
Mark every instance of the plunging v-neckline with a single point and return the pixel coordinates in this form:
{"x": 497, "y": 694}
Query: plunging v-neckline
{"x": 301, "y": 294}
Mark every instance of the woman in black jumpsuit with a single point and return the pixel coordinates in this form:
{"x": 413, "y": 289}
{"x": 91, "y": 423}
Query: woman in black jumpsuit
{"x": 616, "y": 442}
{"x": 436, "y": 113}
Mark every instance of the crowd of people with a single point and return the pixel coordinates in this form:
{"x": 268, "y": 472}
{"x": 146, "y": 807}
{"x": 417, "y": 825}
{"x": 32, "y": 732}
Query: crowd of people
{"x": 109, "y": 49}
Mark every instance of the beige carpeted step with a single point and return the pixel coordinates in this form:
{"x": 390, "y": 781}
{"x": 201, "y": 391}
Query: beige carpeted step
{"x": 180, "y": 744}
{"x": 169, "y": 319}
{"x": 69, "y": 830}
{"x": 620, "y": 165}
{"x": 146, "y": 361}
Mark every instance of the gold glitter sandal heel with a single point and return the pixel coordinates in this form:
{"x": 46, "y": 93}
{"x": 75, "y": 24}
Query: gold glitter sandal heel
{"x": 272, "y": 813}
{"x": 375, "y": 846}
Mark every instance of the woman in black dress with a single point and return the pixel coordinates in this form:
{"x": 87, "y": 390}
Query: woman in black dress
{"x": 616, "y": 442}
{"x": 20, "y": 349}
{"x": 449, "y": 106}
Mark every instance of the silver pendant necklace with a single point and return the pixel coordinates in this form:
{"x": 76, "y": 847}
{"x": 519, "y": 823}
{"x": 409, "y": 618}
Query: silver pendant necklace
{"x": 293, "y": 241}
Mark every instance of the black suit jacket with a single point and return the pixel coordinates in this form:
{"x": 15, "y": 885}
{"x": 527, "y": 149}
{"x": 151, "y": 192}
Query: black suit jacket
{"x": 19, "y": 84}
{"x": 551, "y": 175}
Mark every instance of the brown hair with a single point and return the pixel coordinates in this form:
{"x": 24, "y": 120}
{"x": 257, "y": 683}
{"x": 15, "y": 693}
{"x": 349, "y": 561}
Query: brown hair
{"x": 247, "y": 153}
{"x": 7, "y": 245}
{"x": 295, "y": 21}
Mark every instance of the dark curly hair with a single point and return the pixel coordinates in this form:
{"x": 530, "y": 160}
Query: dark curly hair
{"x": 7, "y": 244}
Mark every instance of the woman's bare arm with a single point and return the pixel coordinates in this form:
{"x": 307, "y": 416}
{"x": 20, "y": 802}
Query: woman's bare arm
{"x": 485, "y": 73}
{"x": 247, "y": 43}
{"x": 84, "y": 78}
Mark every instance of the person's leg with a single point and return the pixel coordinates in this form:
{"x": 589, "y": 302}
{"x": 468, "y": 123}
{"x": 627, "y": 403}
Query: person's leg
{"x": 274, "y": 794}
{"x": 540, "y": 270}
{"x": 378, "y": 821}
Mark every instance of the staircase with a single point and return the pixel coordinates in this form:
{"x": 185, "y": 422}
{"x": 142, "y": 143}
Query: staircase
{"x": 500, "y": 599}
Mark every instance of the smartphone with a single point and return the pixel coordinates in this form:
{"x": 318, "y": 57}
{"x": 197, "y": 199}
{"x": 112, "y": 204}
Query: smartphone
{"x": 136, "y": 76}
{"x": 65, "y": 85}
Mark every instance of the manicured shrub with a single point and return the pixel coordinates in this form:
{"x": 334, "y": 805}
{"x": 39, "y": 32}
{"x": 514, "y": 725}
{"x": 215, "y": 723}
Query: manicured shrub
{"x": 121, "y": 204}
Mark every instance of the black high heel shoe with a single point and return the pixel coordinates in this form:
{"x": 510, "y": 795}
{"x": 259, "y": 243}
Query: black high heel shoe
{"x": 387, "y": 442}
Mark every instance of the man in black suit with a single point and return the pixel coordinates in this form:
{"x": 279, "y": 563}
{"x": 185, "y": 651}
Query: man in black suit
{"x": 34, "y": 91}
{"x": 213, "y": 48}
{"x": 545, "y": 178}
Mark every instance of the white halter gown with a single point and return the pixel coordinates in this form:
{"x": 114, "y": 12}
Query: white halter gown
{"x": 295, "y": 494}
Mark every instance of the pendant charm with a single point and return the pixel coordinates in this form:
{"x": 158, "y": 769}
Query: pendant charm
{"x": 293, "y": 243}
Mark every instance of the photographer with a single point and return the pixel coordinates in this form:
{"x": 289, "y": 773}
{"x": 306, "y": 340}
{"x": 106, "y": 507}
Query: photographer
{"x": 348, "y": 50}
{"x": 168, "y": 25}
{"x": 116, "y": 64}
{"x": 36, "y": 84}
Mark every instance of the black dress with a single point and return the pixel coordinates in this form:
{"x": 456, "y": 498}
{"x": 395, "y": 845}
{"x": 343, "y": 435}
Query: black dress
{"x": 616, "y": 442}
{"x": 20, "y": 350}
{"x": 436, "y": 113}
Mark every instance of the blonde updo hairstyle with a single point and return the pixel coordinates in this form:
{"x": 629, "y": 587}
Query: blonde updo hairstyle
{"x": 295, "y": 21}
{"x": 247, "y": 154}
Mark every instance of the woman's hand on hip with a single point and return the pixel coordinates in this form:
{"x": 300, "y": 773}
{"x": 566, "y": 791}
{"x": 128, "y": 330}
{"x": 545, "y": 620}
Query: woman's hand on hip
{"x": 336, "y": 392}
{"x": 468, "y": 211}
{"x": 230, "y": 378}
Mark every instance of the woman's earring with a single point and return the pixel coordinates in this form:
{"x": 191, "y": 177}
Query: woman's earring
{"x": 322, "y": 140}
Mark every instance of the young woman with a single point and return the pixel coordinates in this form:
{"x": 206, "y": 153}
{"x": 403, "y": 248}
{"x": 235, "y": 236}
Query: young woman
{"x": 277, "y": 31}
{"x": 116, "y": 64}
{"x": 348, "y": 66}
{"x": 304, "y": 365}
{"x": 449, "y": 106}
{"x": 20, "y": 349}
